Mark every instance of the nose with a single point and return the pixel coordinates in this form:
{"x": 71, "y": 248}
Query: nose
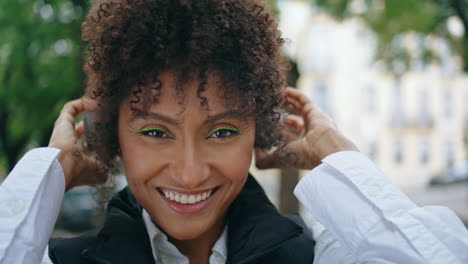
{"x": 189, "y": 168}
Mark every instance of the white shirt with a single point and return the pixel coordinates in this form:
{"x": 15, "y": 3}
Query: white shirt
{"x": 361, "y": 216}
{"x": 165, "y": 252}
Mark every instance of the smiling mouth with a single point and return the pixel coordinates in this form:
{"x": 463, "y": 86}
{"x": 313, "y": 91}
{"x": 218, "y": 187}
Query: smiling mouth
{"x": 183, "y": 198}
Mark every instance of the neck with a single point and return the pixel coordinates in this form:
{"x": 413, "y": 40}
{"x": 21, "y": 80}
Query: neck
{"x": 198, "y": 250}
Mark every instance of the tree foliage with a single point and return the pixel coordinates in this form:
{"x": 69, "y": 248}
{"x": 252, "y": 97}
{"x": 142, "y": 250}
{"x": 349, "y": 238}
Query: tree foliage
{"x": 391, "y": 19}
{"x": 40, "y": 54}
{"x": 40, "y": 69}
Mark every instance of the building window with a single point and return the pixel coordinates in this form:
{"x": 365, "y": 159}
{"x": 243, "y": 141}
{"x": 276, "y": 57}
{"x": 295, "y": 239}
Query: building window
{"x": 424, "y": 116}
{"x": 448, "y": 104}
{"x": 373, "y": 151}
{"x": 398, "y": 116}
{"x": 322, "y": 97}
{"x": 371, "y": 100}
{"x": 424, "y": 152}
{"x": 465, "y": 110}
{"x": 398, "y": 151}
{"x": 449, "y": 153}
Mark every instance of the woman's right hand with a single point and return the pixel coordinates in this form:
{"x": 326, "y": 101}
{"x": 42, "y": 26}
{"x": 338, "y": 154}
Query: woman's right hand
{"x": 80, "y": 167}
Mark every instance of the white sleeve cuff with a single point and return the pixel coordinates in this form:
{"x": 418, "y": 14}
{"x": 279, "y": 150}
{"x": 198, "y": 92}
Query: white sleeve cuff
{"x": 30, "y": 200}
{"x": 373, "y": 219}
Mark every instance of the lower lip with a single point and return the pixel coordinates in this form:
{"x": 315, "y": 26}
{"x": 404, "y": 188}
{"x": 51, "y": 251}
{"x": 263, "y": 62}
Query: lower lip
{"x": 188, "y": 208}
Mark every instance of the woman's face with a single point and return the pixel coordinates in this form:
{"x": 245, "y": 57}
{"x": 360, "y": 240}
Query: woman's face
{"x": 184, "y": 163}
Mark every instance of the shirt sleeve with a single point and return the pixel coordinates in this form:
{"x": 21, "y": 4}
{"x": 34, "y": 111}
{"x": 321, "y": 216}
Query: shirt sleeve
{"x": 363, "y": 218}
{"x": 30, "y": 200}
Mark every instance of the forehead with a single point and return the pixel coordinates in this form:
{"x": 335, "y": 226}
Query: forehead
{"x": 186, "y": 92}
{"x": 170, "y": 94}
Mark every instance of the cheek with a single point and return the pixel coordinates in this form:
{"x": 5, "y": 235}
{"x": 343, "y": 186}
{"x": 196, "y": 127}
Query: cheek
{"x": 134, "y": 164}
{"x": 236, "y": 160}
{"x": 139, "y": 161}
{"x": 241, "y": 158}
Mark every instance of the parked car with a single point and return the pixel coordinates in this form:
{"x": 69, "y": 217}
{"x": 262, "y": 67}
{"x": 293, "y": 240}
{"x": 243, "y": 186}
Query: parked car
{"x": 79, "y": 207}
{"x": 78, "y": 210}
{"x": 454, "y": 174}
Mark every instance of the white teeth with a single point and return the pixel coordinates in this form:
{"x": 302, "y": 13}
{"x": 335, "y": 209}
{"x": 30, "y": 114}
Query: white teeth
{"x": 186, "y": 199}
{"x": 183, "y": 199}
{"x": 191, "y": 199}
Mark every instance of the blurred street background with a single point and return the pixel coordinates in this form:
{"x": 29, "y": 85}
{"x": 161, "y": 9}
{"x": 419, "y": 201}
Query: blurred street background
{"x": 393, "y": 74}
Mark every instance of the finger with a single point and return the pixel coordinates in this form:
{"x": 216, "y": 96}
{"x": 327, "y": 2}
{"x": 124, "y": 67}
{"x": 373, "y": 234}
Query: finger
{"x": 301, "y": 101}
{"x": 294, "y": 122}
{"x": 72, "y": 109}
{"x": 309, "y": 112}
{"x": 79, "y": 129}
{"x": 294, "y": 105}
{"x": 96, "y": 173}
{"x": 297, "y": 95}
{"x": 75, "y": 107}
{"x": 281, "y": 158}
{"x": 303, "y": 111}
{"x": 263, "y": 160}
{"x": 300, "y": 108}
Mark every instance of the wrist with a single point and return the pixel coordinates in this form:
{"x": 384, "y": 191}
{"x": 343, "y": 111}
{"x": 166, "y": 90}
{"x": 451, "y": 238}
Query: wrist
{"x": 66, "y": 162}
{"x": 329, "y": 142}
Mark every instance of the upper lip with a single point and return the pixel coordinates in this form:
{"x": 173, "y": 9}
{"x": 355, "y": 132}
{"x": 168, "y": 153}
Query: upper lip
{"x": 188, "y": 192}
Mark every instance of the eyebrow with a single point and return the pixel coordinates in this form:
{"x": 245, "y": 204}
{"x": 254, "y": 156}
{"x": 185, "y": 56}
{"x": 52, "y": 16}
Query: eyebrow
{"x": 150, "y": 115}
{"x": 230, "y": 114}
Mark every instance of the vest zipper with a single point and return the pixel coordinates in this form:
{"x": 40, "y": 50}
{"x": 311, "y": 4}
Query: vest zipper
{"x": 96, "y": 259}
{"x": 268, "y": 250}
{"x": 101, "y": 260}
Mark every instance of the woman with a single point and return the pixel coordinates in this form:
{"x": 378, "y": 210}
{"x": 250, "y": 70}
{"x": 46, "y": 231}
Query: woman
{"x": 183, "y": 92}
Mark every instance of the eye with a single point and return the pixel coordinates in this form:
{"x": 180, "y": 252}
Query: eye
{"x": 154, "y": 132}
{"x": 224, "y": 132}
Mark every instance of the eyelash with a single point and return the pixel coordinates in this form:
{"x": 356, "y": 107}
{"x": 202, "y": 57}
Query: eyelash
{"x": 150, "y": 131}
{"x": 233, "y": 132}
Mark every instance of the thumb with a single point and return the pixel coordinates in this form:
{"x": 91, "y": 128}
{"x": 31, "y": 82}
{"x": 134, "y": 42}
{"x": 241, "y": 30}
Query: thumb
{"x": 95, "y": 170}
{"x": 90, "y": 171}
{"x": 263, "y": 160}
{"x": 280, "y": 158}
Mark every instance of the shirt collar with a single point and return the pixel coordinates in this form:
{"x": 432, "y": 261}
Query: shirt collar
{"x": 160, "y": 243}
{"x": 220, "y": 248}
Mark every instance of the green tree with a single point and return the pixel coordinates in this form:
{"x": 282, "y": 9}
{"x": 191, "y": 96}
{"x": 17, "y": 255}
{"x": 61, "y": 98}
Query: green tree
{"x": 40, "y": 69}
{"x": 390, "y": 19}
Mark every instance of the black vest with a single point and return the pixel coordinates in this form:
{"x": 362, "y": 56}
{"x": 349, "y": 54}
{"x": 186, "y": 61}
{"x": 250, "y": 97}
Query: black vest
{"x": 257, "y": 233}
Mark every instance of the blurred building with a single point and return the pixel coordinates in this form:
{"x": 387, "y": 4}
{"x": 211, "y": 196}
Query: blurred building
{"x": 413, "y": 126}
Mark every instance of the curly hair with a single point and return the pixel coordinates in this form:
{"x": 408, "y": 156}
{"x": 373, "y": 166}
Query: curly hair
{"x": 131, "y": 41}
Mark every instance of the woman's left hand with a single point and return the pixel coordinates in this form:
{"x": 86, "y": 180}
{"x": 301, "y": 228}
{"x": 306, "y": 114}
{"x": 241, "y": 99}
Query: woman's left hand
{"x": 310, "y": 137}
{"x": 79, "y": 165}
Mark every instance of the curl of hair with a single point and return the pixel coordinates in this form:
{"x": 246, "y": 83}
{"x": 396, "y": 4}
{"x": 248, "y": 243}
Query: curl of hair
{"x": 130, "y": 41}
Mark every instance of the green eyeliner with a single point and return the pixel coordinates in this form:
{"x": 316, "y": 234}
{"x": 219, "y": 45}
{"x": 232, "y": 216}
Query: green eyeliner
{"x": 146, "y": 130}
{"x": 228, "y": 128}
{"x": 152, "y": 129}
